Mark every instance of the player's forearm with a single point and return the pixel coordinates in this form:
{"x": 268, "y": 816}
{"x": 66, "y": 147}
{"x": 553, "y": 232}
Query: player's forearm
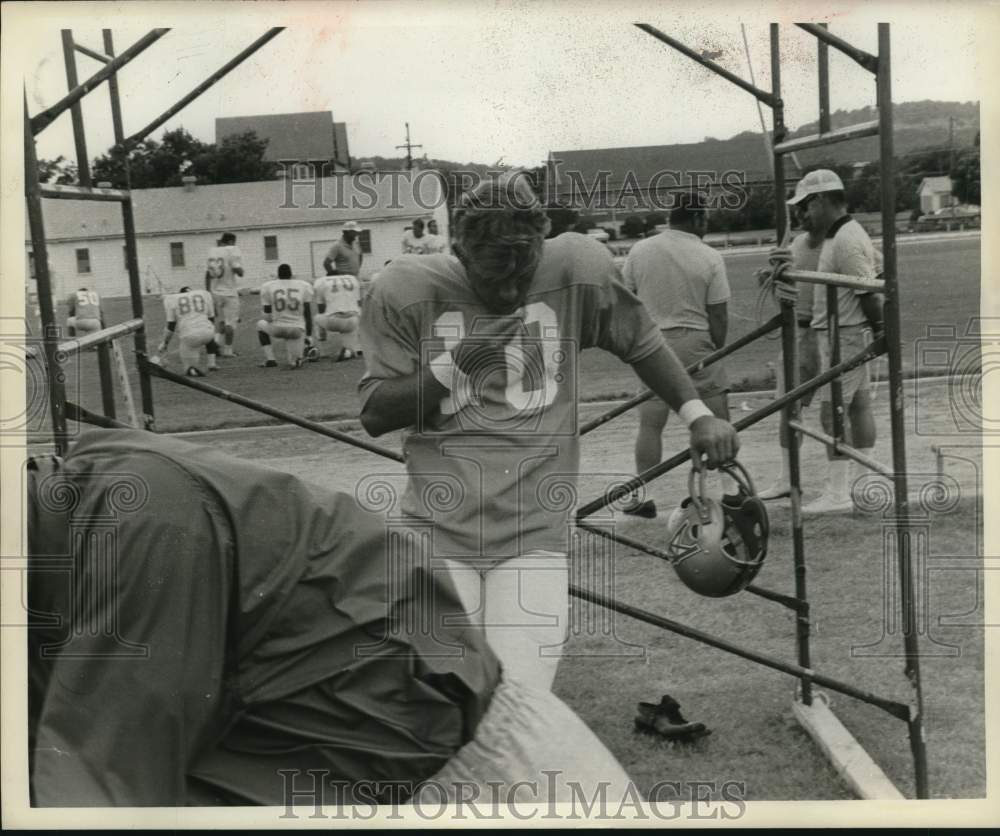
{"x": 401, "y": 402}
{"x": 717, "y": 329}
{"x": 663, "y": 373}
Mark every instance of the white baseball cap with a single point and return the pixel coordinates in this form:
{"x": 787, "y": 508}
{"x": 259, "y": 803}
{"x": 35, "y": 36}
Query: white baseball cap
{"x": 352, "y": 226}
{"x": 820, "y": 180}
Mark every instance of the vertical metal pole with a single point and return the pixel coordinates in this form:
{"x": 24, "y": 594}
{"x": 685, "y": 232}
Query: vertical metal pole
{"x": 76, "y": 110}
{"x": 893, "y": 341}
{"x": 790, "y": 363}
{"x": 832, "y": 308}
{"x": 50, "y": 331}
{"x": 823, "y": 65}
{"x": 107, "y": 379}
{"x": 131, "y": 254}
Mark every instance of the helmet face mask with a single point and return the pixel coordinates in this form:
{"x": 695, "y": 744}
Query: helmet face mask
{"x": 717, "y": 548}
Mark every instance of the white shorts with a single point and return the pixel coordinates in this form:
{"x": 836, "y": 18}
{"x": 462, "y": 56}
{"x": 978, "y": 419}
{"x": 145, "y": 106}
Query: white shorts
{"x": 195, "y": 336}
{"x": 281, "y": 331}
{"x": 526, "y": 733}
{"x": 227, "y": 309}
{"x": 83, "y": 326}
{"x": 340, "y": 323}
{"x": 853, "y": 340}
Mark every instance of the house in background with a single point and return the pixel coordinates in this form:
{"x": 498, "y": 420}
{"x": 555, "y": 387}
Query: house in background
{"x": 316, "y": 143}
{"x": 275, "y": 221}
{"x": 935, "y": 193}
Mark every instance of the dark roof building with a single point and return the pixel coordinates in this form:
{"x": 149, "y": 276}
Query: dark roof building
{"x": 311, "y": 137}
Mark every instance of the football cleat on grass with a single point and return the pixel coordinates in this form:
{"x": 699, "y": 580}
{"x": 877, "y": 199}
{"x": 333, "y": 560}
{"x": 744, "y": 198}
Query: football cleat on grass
{"x": 345, "y": 354}
{"x": 297, "y": 363}
{"x": 194, "y": 371}
{"x": 268, "y": 364}
{"x": 665, "y": 720}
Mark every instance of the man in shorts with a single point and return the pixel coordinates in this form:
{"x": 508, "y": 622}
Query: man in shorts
{"x": 682, "y": 282}
{"x": 225, "y": 266}
{"x": 262, "y": 643}
{"x": 846, "y": 250}
{"x": 338, "y": 303}
{"x": 190, "y": 313}
{"x": 474, "y": 357}
{"x": 84, "y": 314}
{"x": 285, "y": 303}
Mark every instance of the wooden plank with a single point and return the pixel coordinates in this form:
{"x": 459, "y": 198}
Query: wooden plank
{"x": 851, "y": 761}
{"x": 125, "y": 386}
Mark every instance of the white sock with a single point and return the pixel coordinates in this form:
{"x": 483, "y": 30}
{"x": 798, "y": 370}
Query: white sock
{"x": 269, "y": 352}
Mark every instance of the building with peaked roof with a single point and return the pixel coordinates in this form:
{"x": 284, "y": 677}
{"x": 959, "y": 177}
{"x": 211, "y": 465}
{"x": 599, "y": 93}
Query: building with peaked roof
{"x": 275, "y": 221}
{"x": 311, "y": 138}
{"x": 935, "y": 193}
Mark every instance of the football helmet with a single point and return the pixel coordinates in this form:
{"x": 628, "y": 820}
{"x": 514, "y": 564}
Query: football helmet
{"x": 717, "y": 548}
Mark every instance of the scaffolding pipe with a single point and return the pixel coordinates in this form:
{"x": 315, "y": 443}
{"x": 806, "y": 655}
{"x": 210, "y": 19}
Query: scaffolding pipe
{"x": 274, "y": 412}
{"x": 843, "y": 449}
{"x": 55, "y": 379}
{"x": 201, "y": 88}
{"x": 865, "y": 59}
{"x": 830, "y": 137}
{"x": 874, "y": 350}
{"x": 714, "y": 357}
{"x": 42, "y": 120}
{"x": 763, "y": 95}
{"x": 894, "y": 708}
{"x": 893, "y": 341}
{"x": 79, "y": 135}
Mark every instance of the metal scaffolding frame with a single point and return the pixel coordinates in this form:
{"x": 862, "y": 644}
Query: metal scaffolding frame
{"x": 56, "y": 352}
{"x": 833, "y": 738}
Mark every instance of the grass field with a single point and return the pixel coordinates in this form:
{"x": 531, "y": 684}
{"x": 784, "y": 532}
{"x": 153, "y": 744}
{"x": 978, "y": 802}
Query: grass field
{"x": 611, "y": 665}
{"x": 940, "y": 283}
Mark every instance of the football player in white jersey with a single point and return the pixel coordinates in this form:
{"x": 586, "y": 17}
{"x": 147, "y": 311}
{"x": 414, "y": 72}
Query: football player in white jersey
{"x": 225, "y": 265}
{"x": 85, "y": 315}
{"x": 338, "y": 302}
{"x": 474, "y": 357}
{"x": 191, "y": 314}
{"x": 287, "y": 316}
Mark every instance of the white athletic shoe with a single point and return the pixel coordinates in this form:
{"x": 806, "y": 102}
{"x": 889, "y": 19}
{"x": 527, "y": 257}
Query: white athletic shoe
{"x": 779, "y": 490}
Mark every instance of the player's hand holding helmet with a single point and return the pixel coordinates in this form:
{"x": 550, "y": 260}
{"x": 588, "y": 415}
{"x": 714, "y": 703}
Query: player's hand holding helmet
{"x": 714, "y": 438}
{"x": 717, "y": 548}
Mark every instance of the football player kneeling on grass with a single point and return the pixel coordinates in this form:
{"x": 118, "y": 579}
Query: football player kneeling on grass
{"x": 262, "y": 638}
{"x": 191, "y": 314}
{"x": 287, "y": 316}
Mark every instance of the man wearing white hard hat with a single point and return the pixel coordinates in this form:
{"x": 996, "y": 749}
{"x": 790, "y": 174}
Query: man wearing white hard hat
{"x": 345, "y": 255}
{"x": 846, "y": 250}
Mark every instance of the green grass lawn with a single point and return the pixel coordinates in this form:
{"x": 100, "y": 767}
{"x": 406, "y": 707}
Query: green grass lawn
{"x": 940, "y": 283}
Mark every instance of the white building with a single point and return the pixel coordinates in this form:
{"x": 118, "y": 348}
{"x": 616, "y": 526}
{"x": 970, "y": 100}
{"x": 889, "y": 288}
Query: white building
{"x": 935, "y": 194}
{"x": 276, "y": 221}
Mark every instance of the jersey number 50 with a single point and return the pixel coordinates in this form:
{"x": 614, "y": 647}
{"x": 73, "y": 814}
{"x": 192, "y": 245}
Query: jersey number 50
{"x": 532, "y": 365}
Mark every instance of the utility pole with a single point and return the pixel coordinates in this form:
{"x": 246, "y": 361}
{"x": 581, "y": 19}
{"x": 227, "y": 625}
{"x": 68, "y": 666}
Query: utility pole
{"x": 951, "y": 144}
{"x": 409, "y": 146}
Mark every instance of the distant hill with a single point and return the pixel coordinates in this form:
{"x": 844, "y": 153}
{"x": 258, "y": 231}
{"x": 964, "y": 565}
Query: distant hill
{"x": 918, "y": 126}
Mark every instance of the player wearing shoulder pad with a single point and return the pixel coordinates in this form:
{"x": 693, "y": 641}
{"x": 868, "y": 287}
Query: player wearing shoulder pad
{"x": 84, "y": 313}
{"x": 474, "y": 357}
{"x": 191, "y": 314}
{"x": 286, "y": 304}
{"x": 225, "y": 266}
{"x": 338, "y": 302}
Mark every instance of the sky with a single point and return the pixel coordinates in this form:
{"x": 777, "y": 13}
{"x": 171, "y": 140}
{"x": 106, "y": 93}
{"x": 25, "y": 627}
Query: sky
{"x": 484, "y": 82}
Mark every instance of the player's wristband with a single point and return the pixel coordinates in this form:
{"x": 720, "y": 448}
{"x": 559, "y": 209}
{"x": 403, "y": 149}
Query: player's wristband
{"x": 443, "y": 369}
{"x": 692, "y": 410}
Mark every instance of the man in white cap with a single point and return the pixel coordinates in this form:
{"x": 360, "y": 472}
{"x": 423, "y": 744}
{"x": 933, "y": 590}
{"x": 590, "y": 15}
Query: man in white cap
{"x": 847, "y": 250}
{"x": 804, "y": 251}
{"x": 345, "y": 255}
